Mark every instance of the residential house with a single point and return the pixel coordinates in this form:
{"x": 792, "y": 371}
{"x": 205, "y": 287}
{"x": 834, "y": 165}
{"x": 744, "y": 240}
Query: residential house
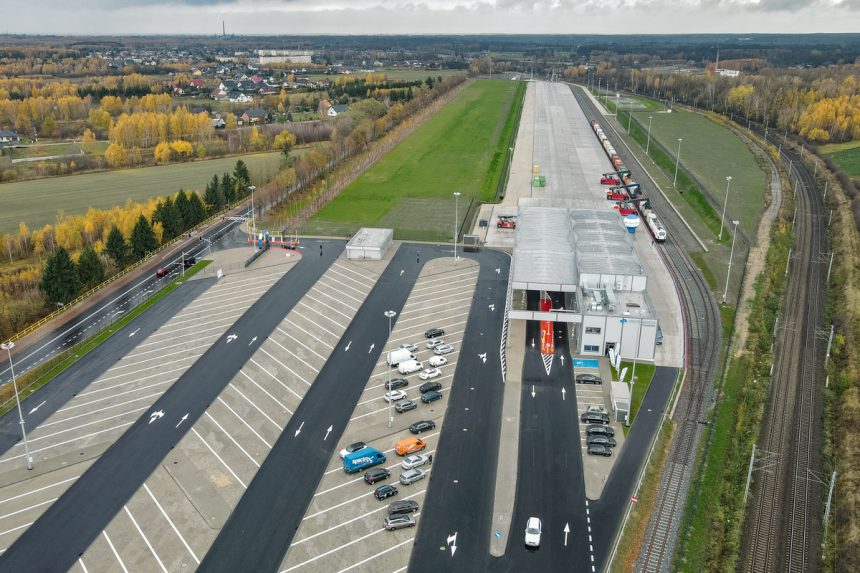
{"x": 255, "y": 115}
{"x": 238, "y": 97}
{"x": 9, "y": 138}
{"x": 335, "y": 110}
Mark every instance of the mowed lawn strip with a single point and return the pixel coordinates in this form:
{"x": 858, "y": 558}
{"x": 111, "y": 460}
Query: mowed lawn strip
{"x": 411, "y": 189}
{"x": 845, "y": 155}
{"x": 37, "y": 202}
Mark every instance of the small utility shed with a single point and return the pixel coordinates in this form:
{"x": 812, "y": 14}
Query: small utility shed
{"x": 369, "y": 244}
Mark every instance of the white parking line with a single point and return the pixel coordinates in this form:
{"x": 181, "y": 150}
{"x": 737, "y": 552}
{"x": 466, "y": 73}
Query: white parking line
{"x": 339, "y": 291}
{"x": 32, "y": 491}
{"x": 15, "y": 457}
{"x": 115, "y": 395}
{"x": 395, "y": 334}
{"x": 112, "y": 548}
{"x": 278, "y": 402}
{"x": 452, "y": 286}
{"x": 287, "y": 368}
{"x": 124, "y": 374}
{"x": 296, "y": 356}
{"x": 254, "y": 405}
{"x": 145, "y": 540}
{"x": 214, "y": 453}
{"x": 426, "y": 282}
{"x": 172, "y": 526}
{"x": 285, "y": 333}
{"x": 328, "y": 305}
{"x": 195, "y": 331}
{"x": 107, "y": 408}
{"x": 78, "y": 427}
{"x": 331, "y": 273}
{"x": 246, "y": 424}
{"x": 161, "y": 354}
{"x": 34, "y": 506}
{"x": 14, "y": 529}
{"x": 235, "y": 306}
{"x": 232, "y": 439}
{"x": 349, "y": 271}
{"x": 422, "y": 348}
{"x": 437, "y": 317}
{"x": 84, "y": 567}
{"x": 315, "y": 311}
{"x": 383, "y": 552}
{"x": 160, "y": 374}
{"x": 307, "y": 332}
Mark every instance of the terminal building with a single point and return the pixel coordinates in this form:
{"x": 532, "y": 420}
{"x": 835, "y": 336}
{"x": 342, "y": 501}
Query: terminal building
{"x": 282, "y": 56}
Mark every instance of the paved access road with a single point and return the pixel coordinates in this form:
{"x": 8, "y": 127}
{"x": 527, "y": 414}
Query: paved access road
{"x": 55, "y": 541}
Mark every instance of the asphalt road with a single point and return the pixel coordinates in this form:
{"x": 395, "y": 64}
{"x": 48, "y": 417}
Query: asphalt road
{"x": 459, "y": 500}
{"x": 55, "y": 541}
{"x": 76, "y": 328}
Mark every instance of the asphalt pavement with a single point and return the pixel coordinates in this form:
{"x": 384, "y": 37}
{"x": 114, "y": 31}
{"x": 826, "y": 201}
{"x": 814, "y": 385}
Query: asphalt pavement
{"x": 56, "y": 540}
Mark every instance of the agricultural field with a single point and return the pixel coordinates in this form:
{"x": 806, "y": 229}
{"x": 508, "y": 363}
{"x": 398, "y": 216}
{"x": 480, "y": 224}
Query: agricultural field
{"x": 63, "y": 148}
{"x": 845, "y": 155}
{"x": 410, "y": 190}
{"x": 37, "y": 202}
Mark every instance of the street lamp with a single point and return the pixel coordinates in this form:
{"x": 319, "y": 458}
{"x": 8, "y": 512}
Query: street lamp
{"x": 456, "y": 206}
{"x": 253, "y": 221}
{"x": 648, "y": 145}
{"x": 677, "y": 160}
{"x": 731, "y": 254}
{"x": 725, "y": 202}
{"x": 617, "y": 96}
{"x": 8, "y": 346}
{"x": 390, "y": 314}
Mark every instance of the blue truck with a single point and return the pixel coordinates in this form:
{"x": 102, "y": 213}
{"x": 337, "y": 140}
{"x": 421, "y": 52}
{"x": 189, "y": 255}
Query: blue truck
{"x": 362, "y": 459}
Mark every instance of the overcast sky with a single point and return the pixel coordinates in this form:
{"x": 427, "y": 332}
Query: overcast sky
{"x": 291, "y": 17}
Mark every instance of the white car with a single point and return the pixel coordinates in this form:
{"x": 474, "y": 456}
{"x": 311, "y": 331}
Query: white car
{"x": 438, "y": 361}
{"x": 415, "y": 461}
{"x": 434, "y": 342}
{"x": 533, "y": 528}
{"x": 444, "y": 349}
{"x": 429, "y": 373}
{"x": 409, "y": 346}
{"x": 394, "y": 396}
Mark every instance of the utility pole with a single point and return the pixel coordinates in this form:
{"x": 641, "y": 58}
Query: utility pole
{"x": 829, "y": 344}
{"x": 749, "y": 475}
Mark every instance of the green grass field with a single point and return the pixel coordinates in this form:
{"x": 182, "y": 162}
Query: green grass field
{"x": 845, "y": 155}
{"x": 37, "y": 202}
{"x": 461, "y": 148}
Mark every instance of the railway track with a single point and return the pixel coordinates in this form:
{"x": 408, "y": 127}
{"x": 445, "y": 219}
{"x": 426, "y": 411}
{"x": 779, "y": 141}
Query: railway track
{"x": 702, "y": 330}
{"x": 782, "y": 524}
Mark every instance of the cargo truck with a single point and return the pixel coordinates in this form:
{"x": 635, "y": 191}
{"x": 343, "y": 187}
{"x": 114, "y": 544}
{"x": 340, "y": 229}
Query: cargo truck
{"x": 362, "y": 459}
{"x": 395, "y": 357}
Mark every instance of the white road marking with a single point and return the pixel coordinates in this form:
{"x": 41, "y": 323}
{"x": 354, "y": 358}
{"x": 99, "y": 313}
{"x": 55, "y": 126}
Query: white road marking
{"x": 107, "y": 408}
{"x": 84, "y": 567}
{"x": 329, "y": 552}
{"x": 347, "y": 270}
{"x": 328, "y": 305}
{"x": 34, "y": 506}
{"x": 252, "y": 403}
{"x": 145, "y": 540}
{"x": 214, "y": 453}
{"x": 315, "y": 369}
{"x": 125, "y": 374}
{"x": 338, "y": 290}
{"x": 285, "y": 333}
{"x": 14, "y": 529}
{"x": 287, "y": 368}
{"x": 308, "y": 333}
{"x": 116, "y": 395}
{"x": 232, "y": 439}
{"x": 32, "y": 491}
{"x": 246, "y": 424}
{"x": 303, "y": 304}
{"x": 15, "y": 457}
{"x": 315, "y": 324}
{"x": 112, "y": 548}
{"x": 172, "y": 526}
{"x": 78, "y": 427}
{"x": 383, "y": 552}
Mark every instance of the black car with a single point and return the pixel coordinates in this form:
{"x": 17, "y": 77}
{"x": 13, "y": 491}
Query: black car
{"x": 599, "y": 430}
{"x": 396, "y": 383}
{"x": 354, "y": 447}
{"x": 588, "y": 379}
{"x": 434, "y": 332}
{"x": 385, "y": 491}
{"x": 596, "y": 450}
{"x": 376, "y": 474}
{"x": 403, "y": 506}
{"x": 594, "y": 418}
{"x": 189, "y": 262}
{"x": 601, "y": 441}
{"x": 422, "y": 426}
{"x": 431, "y": 396}
{"x": 429, "y": 386}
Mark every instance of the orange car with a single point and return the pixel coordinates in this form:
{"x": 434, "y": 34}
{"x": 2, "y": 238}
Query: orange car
{"x": 409, "y": 446}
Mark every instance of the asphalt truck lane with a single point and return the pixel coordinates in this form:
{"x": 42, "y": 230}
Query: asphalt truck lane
{"x": 457, "y": 512}
{"x": 66, "y": 529}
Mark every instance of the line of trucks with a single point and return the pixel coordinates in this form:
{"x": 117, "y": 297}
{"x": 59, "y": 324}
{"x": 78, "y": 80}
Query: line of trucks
{"x": 626, "y": 192}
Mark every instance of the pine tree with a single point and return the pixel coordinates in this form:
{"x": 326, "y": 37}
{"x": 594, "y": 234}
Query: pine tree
{"x": 196, "y": 208}
{"x": 91, "y": 270}
{"x": 142, "y": 238}
{"x": 184, "y": 208}
{"x": 116, "y": 247}
{"x": 60, "y": 278}
{"x": 214, "y": 196}
{"x": 228, "y": 188}
{"x": 170, "y": 219}
{"x": 241, "y": 174}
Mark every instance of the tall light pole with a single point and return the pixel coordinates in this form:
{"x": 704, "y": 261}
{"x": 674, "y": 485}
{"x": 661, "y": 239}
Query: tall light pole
{"x": 725, "y": 202}
{"x": 253, "y": 221}
{"x": 617, "y": 103}
{"x": 8, "y": 346}
{"x": 456, "y": 208}
{"x": 623, "y": 322}
{"x": 731, "y": 254}
{"x": 677, "y": 160}
{"x": 390, "y": 314}
{"x": 648, "y": 144}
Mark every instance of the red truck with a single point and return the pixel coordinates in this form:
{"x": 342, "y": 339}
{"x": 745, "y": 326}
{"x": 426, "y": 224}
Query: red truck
{"x": 609, "y": 180}
{"x": 616, "y": 194}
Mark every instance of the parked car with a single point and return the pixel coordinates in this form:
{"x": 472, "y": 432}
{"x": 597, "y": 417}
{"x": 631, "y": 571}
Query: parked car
{"x": 588, "y": 379}
{"x": 403, "y": 506}
{"x": 396, "y": 383}
{"x": 428, "y": 386}
{"x": 599, "y": 430}
{"x": 394, "y": 395}
{"x": 434, "y": 332}
{"x": 422, "y": 426}
{"x": 443, "y": 349}
{"x": 593, "y": 417}
{"x": 189, "y": 262}
{"x": 533, "y": 531}
{"x": 431, "y": 396}
{"x": 405, "y": 406}
{"x": 411, "y": 476}
{"x": 434, "y": 342}
{"x": 436, "y": 361}
{"x": 392, "y": 522}
{"x": 415, "y": 461}
{"x": 601, "y": 441}
{"x": 385, "y": 491}
{"x": 599, "y": 408}
{"x": 352, "y": 448}
{"x": 161, "y": 272}
{"x": 597, "y": 450}
{"x": 409, "y": 346}
{"x": 376, "y": 474}
{"x": 428, "y": 374}
{"x": 408, "y": 446}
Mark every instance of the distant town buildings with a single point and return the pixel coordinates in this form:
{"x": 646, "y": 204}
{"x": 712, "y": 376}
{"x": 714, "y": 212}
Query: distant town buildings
{"x": 263, "y": 57}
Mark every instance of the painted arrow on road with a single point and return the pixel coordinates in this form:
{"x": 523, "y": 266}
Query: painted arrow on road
{"x": 231, "y": 338}
{"x": 371, "y": 348}
{"x": 252, "y": 341}
{"x": 401, "y": 272}
{"x": 483, "y": 357}
{"x": 133, "y": 333}
{"x": 562, "y": 359}
{"x": 348, "y": 344}
{"x": 493, "y": 307}
{"x": 566, "y": 531}
{"x": 156, "y": 415}
{"x": 37, "y": 407}
{"x": 533, "y": 391}
{"x": 327, "y": 432}
{"x": 498, "y": 271}
{"x": 185, "y": 417}
{"x": 452, "y": 543}
{"x": 299, "y": 431}
{"x": 563, "y": 391}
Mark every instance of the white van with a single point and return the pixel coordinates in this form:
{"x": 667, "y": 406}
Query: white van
{"x": 395, "y": 357}
{"x": 410, "y": 366}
